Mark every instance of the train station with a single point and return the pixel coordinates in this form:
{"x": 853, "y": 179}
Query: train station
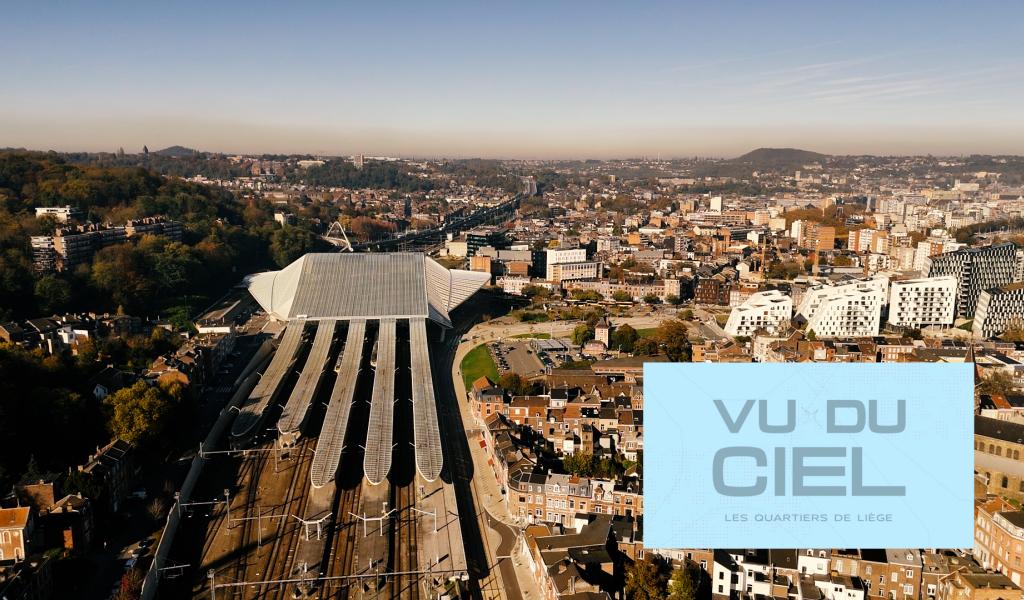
{"x": 345, "y": 405}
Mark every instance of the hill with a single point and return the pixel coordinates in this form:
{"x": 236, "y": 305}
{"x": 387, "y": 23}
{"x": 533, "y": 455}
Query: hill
{"x": 176, "y": 152}
{"x": 771, "y": 157}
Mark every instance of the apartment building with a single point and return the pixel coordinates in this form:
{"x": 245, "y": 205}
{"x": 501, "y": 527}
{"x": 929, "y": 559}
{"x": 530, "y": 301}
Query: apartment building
{"x": 893, "y": 574}
{"x": 999, "y": 538}
{"x": 62, "y": 214}
{"x": 558, "y": 256}
{"x": 637, "y": 291}
{"x": 999, "y": 309}
{"x": 71, "y": 246}
{"x": 850, "y": 309}
{"x": 922, "y": 302}
{"x": 16, "y": 525}
{"x": 769, "y": 311}
{"x": 562, "y": 272}
{"x": 976, "y": 270}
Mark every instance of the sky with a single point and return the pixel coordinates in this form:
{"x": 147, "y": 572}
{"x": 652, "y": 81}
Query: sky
{"x": 517, "y": 79}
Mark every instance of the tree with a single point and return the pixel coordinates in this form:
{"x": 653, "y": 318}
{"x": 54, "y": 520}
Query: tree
{"x": 686, "y": 314}
{"x": 811, "y": 336}
{"x": 624, "y": 337}
{"x": 515, "y": 384}
{"x": 652, "y": 299}
{"x": 673, "y": 299}
{"x": 139, "y": 413}
{"x": 673, "y": 339}
{"x": 52, "y": 294}
{"x": 289, "y": 243}
{"x": 587, "y": 295}
{"x": 645, "y": 580}
{"x": 645, "y": 347}
{"x": 582, "y": 334}
{"x": 622, "y": 296}
{"x": 682, "y": 586}
{"x": 999, "y": 383}
{"x": 579, "y": 463}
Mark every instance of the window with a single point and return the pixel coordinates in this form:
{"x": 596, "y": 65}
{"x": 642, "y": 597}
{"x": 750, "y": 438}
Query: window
{"x": 910, "y": 573}
{"x": 908, "y": 590}
{"x": 895, "y": 576}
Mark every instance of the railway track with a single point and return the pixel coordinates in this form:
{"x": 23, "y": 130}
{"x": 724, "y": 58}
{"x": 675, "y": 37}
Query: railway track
{"x": 279, "y": 563}
{"x": 257, "y": 461}
{"x": 343, "y": 547}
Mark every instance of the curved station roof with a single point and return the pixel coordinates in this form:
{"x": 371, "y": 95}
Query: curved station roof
{"x": 399, "y": 285}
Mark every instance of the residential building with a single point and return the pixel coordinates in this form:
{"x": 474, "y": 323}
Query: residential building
{"x": 976, "y": 270}
{"x": 849, "y": 309}
{"x": 16, "y": 526}
{"x": 919, "y": 303}
{"x": 558, "y": 256}
{"x": 998, "y": 310}
{"x": 769, "y": 311}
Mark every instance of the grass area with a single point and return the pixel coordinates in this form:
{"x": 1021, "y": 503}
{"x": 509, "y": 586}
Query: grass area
{"x": 536, "y": 336}
{"x": 646, "y": 333}
{"x": 478, "y": 363}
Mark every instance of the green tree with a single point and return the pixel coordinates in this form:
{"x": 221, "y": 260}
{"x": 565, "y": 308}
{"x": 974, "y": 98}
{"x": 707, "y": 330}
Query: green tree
{"x": 52, "y": 294}
{"x": 673, "y": 299}
{"x": 587, "y": 295}
{"x": 811, "y": 336}
{"x": 579, "y": 463}
{"x": 686, "y": 314}
{"x": 682, "y": 586}
{"x": 582, "y": 334}
{"x": 622, "y": 296}
{"x": 624, "y": 338}
{"x": 289, "y": 243}
{"x": 652, "y": 299}
{"x": 645, "y": 580}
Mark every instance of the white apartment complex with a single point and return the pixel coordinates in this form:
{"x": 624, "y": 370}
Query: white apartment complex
{"x": 769, "y": 311}
{"x": 848, "y": 309}
{"x": 921, "y": 302}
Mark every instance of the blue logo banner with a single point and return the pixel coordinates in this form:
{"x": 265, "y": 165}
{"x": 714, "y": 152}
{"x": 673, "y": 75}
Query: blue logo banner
{"x": 819, "y": 455}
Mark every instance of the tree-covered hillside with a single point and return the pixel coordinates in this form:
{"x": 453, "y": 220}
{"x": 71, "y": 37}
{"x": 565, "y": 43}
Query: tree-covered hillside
{"x": 223, "y": 240}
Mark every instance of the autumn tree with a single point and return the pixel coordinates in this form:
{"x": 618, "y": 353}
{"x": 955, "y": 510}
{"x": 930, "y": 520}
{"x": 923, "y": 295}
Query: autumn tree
{"x": 141, "y": 412}
{"x": 646, "y": 580}
{"x": 682, "y": 585}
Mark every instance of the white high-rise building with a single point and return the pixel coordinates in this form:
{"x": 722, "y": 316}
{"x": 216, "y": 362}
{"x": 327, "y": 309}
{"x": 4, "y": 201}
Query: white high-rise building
{"x": 769, "y": 311}
{"x": 716, "y": 204}
{"x": 848, "y": 309}
{"x": 922, "y": 302}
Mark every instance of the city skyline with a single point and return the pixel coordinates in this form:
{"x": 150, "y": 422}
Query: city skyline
{"x": 571, "y": 81}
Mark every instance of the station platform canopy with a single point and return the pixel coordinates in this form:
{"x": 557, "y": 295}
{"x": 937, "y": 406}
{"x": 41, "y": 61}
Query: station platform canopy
{"x": 397, "y": 285}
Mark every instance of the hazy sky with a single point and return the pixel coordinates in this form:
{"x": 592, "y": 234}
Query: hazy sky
{"x": 514, "y": 79}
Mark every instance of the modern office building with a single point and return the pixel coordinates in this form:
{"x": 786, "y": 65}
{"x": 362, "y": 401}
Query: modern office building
{"x": 922, "y": 302}
{"x": 769, "y": 311}
{"x": 976, "y": 269}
